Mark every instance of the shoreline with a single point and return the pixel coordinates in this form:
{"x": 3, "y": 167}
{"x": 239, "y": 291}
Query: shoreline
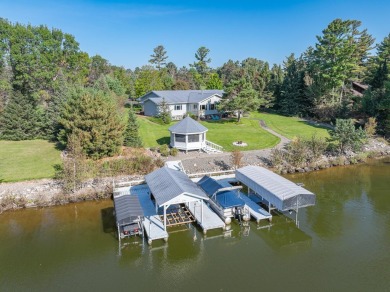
{"x": 48, "y": 192}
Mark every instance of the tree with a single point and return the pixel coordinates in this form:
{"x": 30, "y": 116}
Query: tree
{"x": 240, "y": 97}
{"x": 20, "y": 119}
{"x": 159, "y": 57}
{"x": 92, "y": 116}
{"x": 292, "y": 99}
{"x": 147, "y": 79}
{"x": 201, "y": 65}
{"x": 347, "y": 136}
{"x": 164, "y": 112}
{"x": 131, "y": 134}
{"x": 338, "y": 56}
{"x": 214, "y": 82}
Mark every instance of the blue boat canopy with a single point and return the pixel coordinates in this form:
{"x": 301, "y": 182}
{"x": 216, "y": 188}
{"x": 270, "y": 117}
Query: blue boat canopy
{"x": 227, "y": 199}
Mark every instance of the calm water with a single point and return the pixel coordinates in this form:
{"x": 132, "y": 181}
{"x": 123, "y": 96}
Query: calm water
{"x": 343, "y": 244}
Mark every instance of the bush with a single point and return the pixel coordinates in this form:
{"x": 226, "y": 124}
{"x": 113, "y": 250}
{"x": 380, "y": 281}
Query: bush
{"x": 164, "y": 150}
{"x": 236, "y": 158}
{"x": 370, "y": 127}
{"x": 297, "y": 152}
{"x": 347, "y": 136}
{"x": 174, "y": 151}
{"x": 317, "y": 146}
{"x": 277, "y": 156}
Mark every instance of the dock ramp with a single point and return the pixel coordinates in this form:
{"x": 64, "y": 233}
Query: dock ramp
{"x": 210, "y": 219}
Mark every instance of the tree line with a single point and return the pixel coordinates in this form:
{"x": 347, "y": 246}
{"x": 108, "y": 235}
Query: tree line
{"x": 50, "y": 89}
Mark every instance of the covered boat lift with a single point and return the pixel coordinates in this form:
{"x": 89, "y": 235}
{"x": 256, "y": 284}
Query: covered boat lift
{"x": 172, "y": 187}
{"x": 279, "y": 192}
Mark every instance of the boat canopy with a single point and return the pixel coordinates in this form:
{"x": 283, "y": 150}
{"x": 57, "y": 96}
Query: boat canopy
{"x": 227, "y": 198}
{"x": 280, "y": 192}
{"x": 127, "y": 208}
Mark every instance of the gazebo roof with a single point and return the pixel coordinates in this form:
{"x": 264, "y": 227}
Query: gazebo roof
{"x": 188, "y": 126}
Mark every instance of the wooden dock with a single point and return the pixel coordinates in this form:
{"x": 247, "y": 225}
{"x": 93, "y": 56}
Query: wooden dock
{"x": 210, "y": 219}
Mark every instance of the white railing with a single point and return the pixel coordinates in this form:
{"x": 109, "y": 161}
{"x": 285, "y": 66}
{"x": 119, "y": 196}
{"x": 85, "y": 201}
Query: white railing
{"x": 213, "y": 145}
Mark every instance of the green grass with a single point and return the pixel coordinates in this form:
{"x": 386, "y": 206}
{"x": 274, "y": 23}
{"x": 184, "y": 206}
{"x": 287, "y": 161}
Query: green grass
{"x": 290, "y": 127}
{"x": 25, "y": 160}
{"x": 223, "y": 133}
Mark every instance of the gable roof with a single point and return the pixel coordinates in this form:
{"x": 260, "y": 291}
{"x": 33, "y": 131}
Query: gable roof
{"x": 166, "y": 184}
{"x": 187, "y": 126}
{"x": 180, "y": 96}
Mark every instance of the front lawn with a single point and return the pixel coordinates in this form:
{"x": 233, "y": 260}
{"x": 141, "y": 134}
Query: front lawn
{"x": 223, "y": 133}
{"x": 26, "y": 160}
{"x": 290, "y": 127}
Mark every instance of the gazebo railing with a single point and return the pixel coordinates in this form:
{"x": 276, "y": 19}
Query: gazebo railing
{"x": 213, "y": 145}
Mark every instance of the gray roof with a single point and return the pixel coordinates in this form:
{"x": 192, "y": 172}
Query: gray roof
{"x": 187, "y": 126}
{"x": 180, "y": 96}
{"x": 127, "y": 207}
{"x": 166, "y": 183}
{"x": 277, "y": 190}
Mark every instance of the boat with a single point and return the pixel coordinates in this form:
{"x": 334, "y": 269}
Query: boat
{"x": 224, "y": 200}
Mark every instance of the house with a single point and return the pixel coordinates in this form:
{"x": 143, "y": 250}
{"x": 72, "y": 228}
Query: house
{"x": 358, "y": 88}
{"x": 197, "y": 102}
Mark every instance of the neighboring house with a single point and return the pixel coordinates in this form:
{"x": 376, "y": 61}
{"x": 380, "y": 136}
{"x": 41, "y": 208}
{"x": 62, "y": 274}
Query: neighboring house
{"x": 197, "y": 102}
{"x": 358, "y": 88}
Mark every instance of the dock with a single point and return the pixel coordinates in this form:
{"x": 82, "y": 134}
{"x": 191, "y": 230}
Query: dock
{"x": 153, "y": 226}
{"x": 210, "y": 219}
{"x": 255, "y": 210}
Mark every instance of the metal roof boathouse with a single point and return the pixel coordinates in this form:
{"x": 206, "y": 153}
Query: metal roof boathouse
{"x": 279, "y": 192}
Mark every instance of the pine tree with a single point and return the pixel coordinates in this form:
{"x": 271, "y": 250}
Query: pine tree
{"x": 131, "y": 134}
{"x": 164, "y": 112}
{"x": 93, "y": 117}
{"x": 20, "y": 119}
{"x": 159, "y": 57}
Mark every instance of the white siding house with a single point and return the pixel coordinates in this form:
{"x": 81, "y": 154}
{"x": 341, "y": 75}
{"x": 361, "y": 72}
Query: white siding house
{"x": 197, "y": 102}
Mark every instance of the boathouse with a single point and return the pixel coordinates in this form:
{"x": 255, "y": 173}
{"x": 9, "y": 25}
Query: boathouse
{"x": 278, "y": 191}
{"x": 172, "y": 187}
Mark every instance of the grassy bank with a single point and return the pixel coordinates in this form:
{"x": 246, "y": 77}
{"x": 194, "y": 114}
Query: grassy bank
{"x": 290, "y": 127}
{"x": 223, "y": 132}
{"x": 26, "y": 160}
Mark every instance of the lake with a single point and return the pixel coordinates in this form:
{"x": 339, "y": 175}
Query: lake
{"x": 342, "y": 244}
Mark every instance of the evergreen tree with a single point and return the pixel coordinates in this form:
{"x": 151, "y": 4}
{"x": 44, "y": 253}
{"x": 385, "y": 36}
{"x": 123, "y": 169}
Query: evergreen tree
{"x": 92, "y": 116}
{"x": 347, "y": 136}
{"x": 201, "y": 65}
{"x": 159, "y": 57}
{"x": 240, "y": 97}
{"x": 164, "y": 112}
{"x": 20, "y": 119}
{"x": 131, "y": 134}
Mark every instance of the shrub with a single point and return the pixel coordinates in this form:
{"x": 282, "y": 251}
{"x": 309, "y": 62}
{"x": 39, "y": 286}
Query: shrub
{"x": 347, "y": 136}
{"x": 297, "y": 152}
{"x": 370, "y": 127}
{"x": 174, "y": 152}
{"x": 317, "y": 146}
{"x": 236, "y": 158}
{"x": 277, "y": 156}
{"x": 164, "y": 150}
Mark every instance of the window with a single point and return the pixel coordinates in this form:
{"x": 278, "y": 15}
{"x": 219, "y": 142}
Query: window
{"x": 180, "y": 138}
{"x": 193, "y": 138}
{"x": 178, "y": 107}
{"x": 212, "y": 106}
{"x": 195, "y": 106}
{"x": 202, "y": 106}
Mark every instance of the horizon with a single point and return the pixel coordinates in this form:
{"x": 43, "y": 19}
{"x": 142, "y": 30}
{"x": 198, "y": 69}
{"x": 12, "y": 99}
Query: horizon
{"x": 125, "y": 33}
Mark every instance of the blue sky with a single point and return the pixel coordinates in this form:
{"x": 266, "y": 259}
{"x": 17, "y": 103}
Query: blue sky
{"x": 125, "y": 32}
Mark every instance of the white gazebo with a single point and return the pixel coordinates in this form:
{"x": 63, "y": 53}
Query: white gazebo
{"x": 188, "y": 134}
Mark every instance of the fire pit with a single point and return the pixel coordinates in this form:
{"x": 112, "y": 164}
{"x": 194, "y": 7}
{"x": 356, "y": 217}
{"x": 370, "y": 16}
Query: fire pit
{"x": 240, "y": 144}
